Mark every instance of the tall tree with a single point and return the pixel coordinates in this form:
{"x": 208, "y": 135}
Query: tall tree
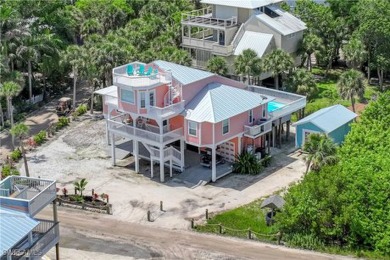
{"x": 277, "y": 62}
{"x": 351, "y": 85}
{"x": 217, "y": 65}
{"x": 321, "y": 151}
{"x": 21, "y": 131}
{"x": 74, "y": 57}
{"x": 302, "y": 82}
{"x": 248, "y": 64}
{"x": 355, "y": 53}
{"x": 9, "y": 90}
{"x": 310, "y": 44}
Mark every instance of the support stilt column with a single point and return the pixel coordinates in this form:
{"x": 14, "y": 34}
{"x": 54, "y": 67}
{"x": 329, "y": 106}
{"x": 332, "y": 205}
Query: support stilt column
{"x": 170, "y": 168}
{"x": 269, "y": 143}
{"x": 151, "y": 169}
{"x": 136, "y": 155}
{"x": 55, "y": 218}
{"x": 273, "y": 136}
{"x": 239, "y": 145}
{"x": 214, "y": 164}
{"x": 113, "y": 149}
{"x": 162, "y": 177}
{"x": 107, "y": 134}
{"x": 182, "y": 154}
{"x": 288, "y": 130}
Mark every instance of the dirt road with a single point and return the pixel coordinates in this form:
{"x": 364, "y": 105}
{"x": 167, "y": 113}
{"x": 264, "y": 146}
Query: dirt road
{"x": 96, "y": 236}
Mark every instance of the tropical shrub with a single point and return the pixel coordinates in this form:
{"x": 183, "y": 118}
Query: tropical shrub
{"x": 247, "y": 163}
{"x": 8, "y": 170}
{"x": 16, "y": 155}
{"x": 62, "y": 122}
{"x": 40, "y": 138}
{"x": 80, "y": 185}
{"x": 82, "y": 109}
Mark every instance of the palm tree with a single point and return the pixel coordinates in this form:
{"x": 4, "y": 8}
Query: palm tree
{"x": 321, "y": 151}
{"x": 74, "y": 57}
{"x": 277, "y": 62}
{"x": 80, "y": 185}
{"x": 355, "y": 53}
{"x": 248, "y": 64}
{"x": 9, "y": 90}
{"x": 21, "y": 131}
{"x": 302, "y": 82}
{"x": 351, "y": 85}
{"x": 310, "y": 44}
{"x": 217, "y": 65}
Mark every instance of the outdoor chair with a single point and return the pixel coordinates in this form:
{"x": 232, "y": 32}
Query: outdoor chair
{"x": 130, "y": 70}
{"x": 149, "y": 71}
{"x": 141, "y": 70}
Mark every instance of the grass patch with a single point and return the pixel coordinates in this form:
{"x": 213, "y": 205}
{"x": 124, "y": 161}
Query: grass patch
{"x": 236, "y": 222}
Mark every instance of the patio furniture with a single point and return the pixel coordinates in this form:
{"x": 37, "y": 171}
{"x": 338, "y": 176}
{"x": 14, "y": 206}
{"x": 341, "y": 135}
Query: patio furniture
{"x": 130, "y": 70}
{"x": 141, "y": 70}
{"x": 149, "y": 71}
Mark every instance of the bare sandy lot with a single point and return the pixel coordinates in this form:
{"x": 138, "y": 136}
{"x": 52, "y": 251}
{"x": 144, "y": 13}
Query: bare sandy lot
{"x": 80, "y": 151}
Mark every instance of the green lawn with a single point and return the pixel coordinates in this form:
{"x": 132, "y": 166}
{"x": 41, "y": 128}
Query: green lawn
{"x": 236, "y": 222}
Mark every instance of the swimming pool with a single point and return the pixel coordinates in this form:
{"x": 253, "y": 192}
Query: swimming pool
{"x": 273, "y": 105}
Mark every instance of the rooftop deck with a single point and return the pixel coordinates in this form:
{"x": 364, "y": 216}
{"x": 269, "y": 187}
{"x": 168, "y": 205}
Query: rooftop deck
{"x": 204, "y": 18}
{"x": 140, "y": 75}
{"x": 25, "y": 194}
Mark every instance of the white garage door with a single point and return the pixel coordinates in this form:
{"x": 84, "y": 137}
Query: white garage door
{"x": 227, "y": 151}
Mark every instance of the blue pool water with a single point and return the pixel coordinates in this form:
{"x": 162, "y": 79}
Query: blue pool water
{"x": 273, "y": 105}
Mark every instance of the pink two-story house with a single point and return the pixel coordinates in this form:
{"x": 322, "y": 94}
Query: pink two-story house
{"x": 170, "y": 112}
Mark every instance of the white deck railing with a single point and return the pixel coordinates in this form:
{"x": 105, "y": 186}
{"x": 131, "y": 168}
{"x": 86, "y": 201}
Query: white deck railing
{"x": 204, "y": 17}
{"x": 147, "y": 136}
{"x": 169, "y": 152}
{"x": 206, "y": 44}
{"x": 162, "y": 112}
{"x": 258, "y": 129}
{"x": 25, "y": 192}
{"x": 288, "y": 109}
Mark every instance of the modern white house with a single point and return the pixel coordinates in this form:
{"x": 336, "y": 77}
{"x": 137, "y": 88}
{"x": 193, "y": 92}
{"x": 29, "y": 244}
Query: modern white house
{"x": 22, "y": 234}
{"x": 225, "y": 28}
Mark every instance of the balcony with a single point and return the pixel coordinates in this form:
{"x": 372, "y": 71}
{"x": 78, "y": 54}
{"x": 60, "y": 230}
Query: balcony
{"x": 258, "y": 129}
{"x": 25, "y": 194}
{"x": 204, "y": 18}
{"x": 143, "y": 80}
{"x": 44, "y": 237}
{"x": 146, "y": 136}
{"x": 214, "y": 47}
{"x": 166, "y": 112}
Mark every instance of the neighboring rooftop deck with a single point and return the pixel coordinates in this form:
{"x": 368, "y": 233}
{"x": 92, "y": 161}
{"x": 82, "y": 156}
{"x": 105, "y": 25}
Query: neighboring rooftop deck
{"x": 140, "y": 75}
{"x": 204, "y": 18}
{"x": 25, "y": 194}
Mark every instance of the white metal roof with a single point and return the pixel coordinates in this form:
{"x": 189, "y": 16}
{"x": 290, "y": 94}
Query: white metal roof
{"x": 285, "y": 23}
{"x": 330, "y": 118}
{"x": 14, "y": 226}
{"x": 183, "y": 74}
{"x": 255, "y": 41}
{"x": 217, "y": 102}
{"x": 108, "y": 91}
{"x": 247, "y": 4}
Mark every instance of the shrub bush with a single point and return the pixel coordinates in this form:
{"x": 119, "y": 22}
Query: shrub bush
{"x": 82, "y": 109}
{"x": 16, "y": 155}
{"x": 62, "y": 122}
{"x": 306, "y": 241}
{"x": 40, "y": 138}
{"x": 8, "y": 170}
{"x": 247, "y": 163}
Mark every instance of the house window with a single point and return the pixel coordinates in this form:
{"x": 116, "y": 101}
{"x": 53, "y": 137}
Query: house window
{"x": 151, "y": 98}
{"x": 251, "y": 116}
{"x": 127, "y": 96}
{"x": 264, "y": 110}
{"x": 225, "y": 126}
{"x": 192, "y": 127}
{"x": 142, "y": 99}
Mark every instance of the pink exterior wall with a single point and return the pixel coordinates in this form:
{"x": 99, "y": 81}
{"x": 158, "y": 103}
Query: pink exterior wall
{"x": 207, "y": 133}
{"x": 190, "y": 138}
{"x": 176, "y": 122}
{"x": 160, "y": 93}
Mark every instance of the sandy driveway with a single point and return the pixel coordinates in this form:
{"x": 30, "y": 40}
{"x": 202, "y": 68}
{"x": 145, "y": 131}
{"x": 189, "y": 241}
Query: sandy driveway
{"x": 80, "y": 152}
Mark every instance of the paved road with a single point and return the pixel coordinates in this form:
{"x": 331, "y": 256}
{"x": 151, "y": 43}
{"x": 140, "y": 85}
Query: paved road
{"x": 100, "y": 233}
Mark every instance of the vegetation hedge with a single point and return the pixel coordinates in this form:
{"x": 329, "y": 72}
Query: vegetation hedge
{"x": 347, "y": 205}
